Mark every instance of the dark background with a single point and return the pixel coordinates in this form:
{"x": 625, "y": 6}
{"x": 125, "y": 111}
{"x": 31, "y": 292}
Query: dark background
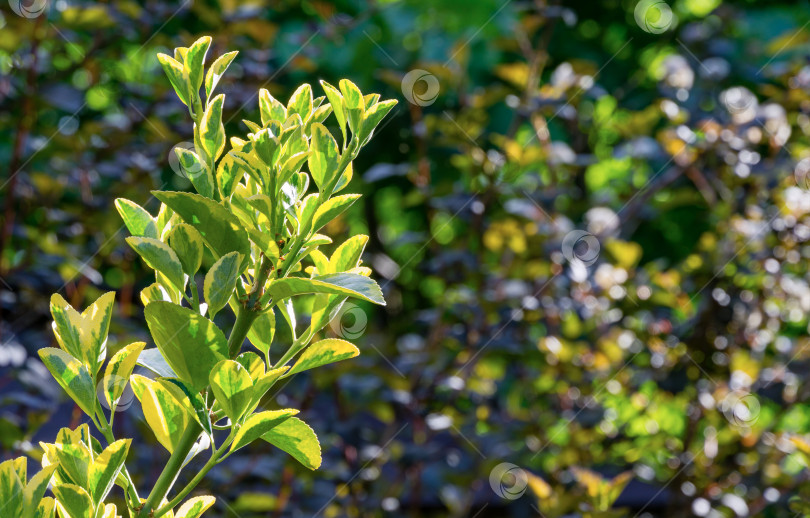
{"x": 678, "y": 355}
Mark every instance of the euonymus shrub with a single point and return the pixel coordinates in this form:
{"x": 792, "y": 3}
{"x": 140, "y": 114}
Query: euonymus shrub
{"x": 255, "y": 219}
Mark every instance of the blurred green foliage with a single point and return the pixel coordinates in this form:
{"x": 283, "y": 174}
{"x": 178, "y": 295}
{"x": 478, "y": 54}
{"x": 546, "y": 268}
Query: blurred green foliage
{"x": 667, "y": 339}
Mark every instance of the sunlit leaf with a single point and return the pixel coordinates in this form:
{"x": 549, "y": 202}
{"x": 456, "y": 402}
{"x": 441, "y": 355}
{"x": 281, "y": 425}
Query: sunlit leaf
{"x": 195, "y": 507}
{"x": 73, "y": 501}
{"x": 296, "y": 438}
{"x": 323, "y": 157}
{"x": 323, "y": 352}
{"x": 233, "y": 388}
{"x": 340, "y": 283}
{"x": 332, "y": 209}
{"x": 259, "y": 424}
{"x": 212, "y": 132}
{"x": 105, "y": 469}
{"x": 138, "y": 221}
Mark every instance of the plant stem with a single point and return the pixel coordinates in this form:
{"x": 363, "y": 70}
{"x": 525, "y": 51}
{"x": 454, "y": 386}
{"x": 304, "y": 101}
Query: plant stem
{"x": 244, "y": 319}
{"x": 195, "y": 297}
{"x": 171, "y": 470}
{"x": 249, "y": 312}
{"x": 194, "y": 481}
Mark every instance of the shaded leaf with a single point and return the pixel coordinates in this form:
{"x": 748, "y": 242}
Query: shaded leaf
{"x": 190, "y": 343}
{"x": 153, "y": 360}
{"x": 220, "y": 229}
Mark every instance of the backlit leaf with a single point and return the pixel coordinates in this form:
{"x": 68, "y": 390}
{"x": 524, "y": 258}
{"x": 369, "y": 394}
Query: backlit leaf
{"x": 195, "y": 168}
{"x": 217, "y": 70}
{"x": 194, "y": 63}
{"x": 373, "y": 116}
{"x": 195, "y": 507}
{"x": 212, "y": 132}
{"x": 119, "y": 368}
{"x": 262, "y": 384}
{"x": 323, "y": 157}
{"x": 221, "y": 280}
{"x": 301, "y": 102}
{"x": 271, "y": 109}
{"x": 347, "y": 255}
{"x": 174, "y": 71}
{"x": 73, "y": 376}
{"x": 187, "y": 243}
{"x": 338, "y": 106}
{"x": 166, "y": 416}
{"x": 160, "y": 257}
{"x": 355, "y": 105}
{"x": 263, "y": 330}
